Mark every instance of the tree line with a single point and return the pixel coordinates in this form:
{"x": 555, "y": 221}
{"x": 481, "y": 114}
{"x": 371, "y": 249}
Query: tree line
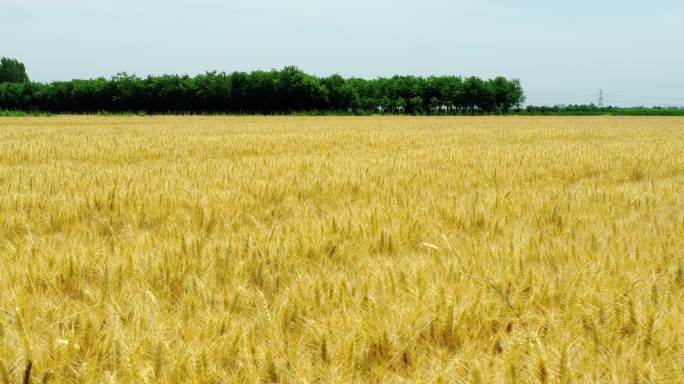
{"x": 288, "y": 90}
{"x": 594, "y": 110}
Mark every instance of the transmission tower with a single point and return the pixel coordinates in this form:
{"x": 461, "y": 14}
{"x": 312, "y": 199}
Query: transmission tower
{"x": 600, "y": 103}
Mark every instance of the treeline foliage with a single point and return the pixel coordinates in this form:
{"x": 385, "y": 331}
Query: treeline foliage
{"x": 12, "y": 71}
{"x": 289, "y": 90}
{"x": 593, "y": 110}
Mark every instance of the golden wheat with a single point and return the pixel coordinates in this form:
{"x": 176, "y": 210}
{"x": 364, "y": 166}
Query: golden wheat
{"x": 379, "y": 249}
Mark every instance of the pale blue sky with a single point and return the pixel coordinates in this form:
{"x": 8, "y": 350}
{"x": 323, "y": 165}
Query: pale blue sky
{"x": 560, "y": 50}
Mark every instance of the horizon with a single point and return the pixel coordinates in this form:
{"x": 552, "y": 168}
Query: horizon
{"x": 525, "y": 103}
{"x": 562, "y": 53}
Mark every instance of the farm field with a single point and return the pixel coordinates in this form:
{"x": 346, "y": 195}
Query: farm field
{"x": 342, "y": 249}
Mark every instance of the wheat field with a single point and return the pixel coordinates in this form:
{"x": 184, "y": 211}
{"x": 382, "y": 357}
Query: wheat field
{"x": 341, "y": 249}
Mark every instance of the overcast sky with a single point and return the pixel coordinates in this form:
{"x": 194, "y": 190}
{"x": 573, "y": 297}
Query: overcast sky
{"x": 562, "y": 51}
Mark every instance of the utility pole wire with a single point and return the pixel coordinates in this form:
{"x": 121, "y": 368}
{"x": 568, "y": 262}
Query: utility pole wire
{"x": 604, "y": 98}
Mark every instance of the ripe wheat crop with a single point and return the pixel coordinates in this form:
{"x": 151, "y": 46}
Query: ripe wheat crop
{"x": 308, "y": 249}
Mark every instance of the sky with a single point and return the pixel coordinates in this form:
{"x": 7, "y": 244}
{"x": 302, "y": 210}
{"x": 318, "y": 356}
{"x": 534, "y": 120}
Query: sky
{"x": 562, "y": 51}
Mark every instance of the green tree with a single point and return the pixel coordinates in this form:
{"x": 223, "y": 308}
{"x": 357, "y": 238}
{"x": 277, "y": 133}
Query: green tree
{"x": 507, "y": 93}
{"x": 298, "y": 91}
{"x": 416, "y": 104}
{"x": 12, "y": 71}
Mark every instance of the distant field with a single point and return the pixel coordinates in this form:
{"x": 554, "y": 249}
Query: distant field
{"x": 342, "y": 249}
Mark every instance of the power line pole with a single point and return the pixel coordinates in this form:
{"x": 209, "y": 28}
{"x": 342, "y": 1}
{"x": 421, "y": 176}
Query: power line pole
{"x": 600, "y": 104}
